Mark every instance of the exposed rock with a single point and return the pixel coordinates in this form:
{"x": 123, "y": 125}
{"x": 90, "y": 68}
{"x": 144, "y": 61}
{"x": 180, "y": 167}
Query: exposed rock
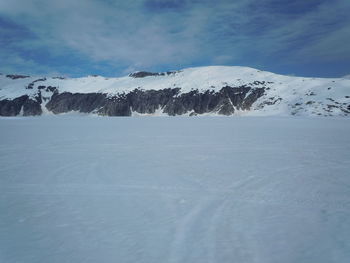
{"x": 67, "y": 101}
{"x": 171, "y": 101}
{"x": 195, "y": 91}
{"x": 271, "y": 101}
{"x": 252, "y": 97}
{"x": 31, "y": 108}
{"x": 226, "y": 107}
{"x": 14, "y": 76}
{"x": 13, "y": 107}
{"x": 31, "y": 85}
{"x": 117, "y": 106}
{"x": 48, "y": 88}
{"x": 148, "y": 101}
{"x": 142, "y": 74}
{"x": 310, "y": 94}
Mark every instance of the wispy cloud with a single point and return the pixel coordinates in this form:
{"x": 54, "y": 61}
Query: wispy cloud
{"x": 114, "y": 36}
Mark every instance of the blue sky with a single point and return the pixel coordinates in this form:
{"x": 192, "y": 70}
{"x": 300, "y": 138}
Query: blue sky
{"x": 114, "y": 37}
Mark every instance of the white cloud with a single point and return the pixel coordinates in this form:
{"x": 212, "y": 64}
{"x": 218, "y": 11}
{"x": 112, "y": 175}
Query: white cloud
{"x": 132, "y": 36}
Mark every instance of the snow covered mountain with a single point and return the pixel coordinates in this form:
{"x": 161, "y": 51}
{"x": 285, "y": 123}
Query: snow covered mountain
{"x": 193, "y": 91}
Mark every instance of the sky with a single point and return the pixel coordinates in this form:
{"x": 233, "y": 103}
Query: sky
{"x": 116, "y": 37}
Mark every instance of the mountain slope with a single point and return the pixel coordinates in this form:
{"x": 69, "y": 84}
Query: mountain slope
{"x": 204, "y": 90}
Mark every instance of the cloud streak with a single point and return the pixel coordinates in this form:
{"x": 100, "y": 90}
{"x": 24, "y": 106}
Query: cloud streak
{"x": 113, "y": 36}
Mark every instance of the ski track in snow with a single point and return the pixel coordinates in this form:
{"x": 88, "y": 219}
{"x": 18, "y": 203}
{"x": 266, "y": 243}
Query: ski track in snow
{"x": 88, "y": 189}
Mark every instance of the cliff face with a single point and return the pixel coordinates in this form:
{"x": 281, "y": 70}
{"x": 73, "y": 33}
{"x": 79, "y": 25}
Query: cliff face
{"x": 21, "y": 105}
{"x": 194, "y": 91}
{"x": 224, "y": 102}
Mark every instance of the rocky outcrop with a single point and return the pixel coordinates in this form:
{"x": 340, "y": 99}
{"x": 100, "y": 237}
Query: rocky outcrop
{"x": 171, "y": 101}
{"x": 31, "y": 85}
{"x": 143, "y": 74}
{"x": 149, "y": 101}
{"x": 23, "y": 104}
{"x": 31, "y": 108}
{"x": 224, "y": 102}
{"x": 194, "y": 91}
{"x": 67, "y": 101}
{"x": 14, "y": 76}
{"x": 12, "y": 107}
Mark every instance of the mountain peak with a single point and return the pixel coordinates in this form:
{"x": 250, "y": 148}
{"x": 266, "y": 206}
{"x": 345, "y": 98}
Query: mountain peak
{"x": 199, "y": 90}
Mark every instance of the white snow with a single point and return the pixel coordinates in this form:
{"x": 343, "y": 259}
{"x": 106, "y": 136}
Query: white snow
{"x": 291, "y": 90}
{"x": 201, "y": 78}
{"x": 93, "y": 189}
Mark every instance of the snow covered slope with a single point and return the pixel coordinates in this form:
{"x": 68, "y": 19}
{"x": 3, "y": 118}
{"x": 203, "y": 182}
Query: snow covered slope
{"x": 174, "y": 190}
{"x": 275, "y": 94}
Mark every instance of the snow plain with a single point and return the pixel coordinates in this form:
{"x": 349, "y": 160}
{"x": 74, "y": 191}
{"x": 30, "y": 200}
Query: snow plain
{"x": 162, "y": 189}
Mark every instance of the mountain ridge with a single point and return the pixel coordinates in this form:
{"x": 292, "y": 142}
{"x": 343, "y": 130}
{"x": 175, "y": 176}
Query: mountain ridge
{"x": 212, "y": 90}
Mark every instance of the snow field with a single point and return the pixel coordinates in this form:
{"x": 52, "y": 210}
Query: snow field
{"x": 253, "y": 189}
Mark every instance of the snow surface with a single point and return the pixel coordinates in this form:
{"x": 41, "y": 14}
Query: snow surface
{"x": 201, "y": 78}
{"x": 93, "y": 189}
{"x": 294, "y": 92}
